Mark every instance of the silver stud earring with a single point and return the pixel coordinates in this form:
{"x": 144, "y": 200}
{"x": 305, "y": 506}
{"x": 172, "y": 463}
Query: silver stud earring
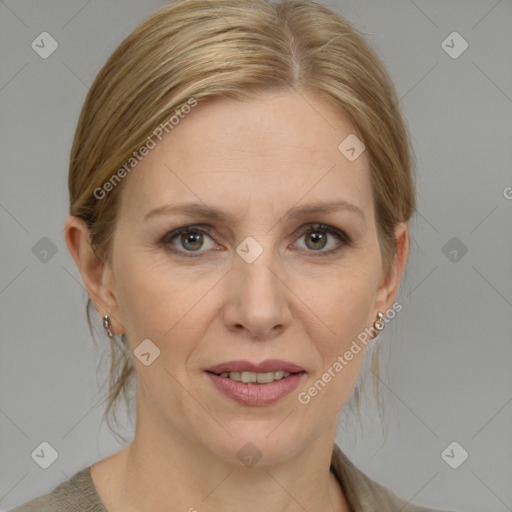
{"x": 379, "y": 324}
{"x": 107, "y": 325}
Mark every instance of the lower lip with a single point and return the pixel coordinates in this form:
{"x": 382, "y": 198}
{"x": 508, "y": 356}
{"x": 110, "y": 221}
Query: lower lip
{"x": 254, "y": 393}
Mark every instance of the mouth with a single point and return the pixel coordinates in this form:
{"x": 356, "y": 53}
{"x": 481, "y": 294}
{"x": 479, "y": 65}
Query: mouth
{"x": 256, "y": 384}
{"x": 265, "y": 372}
{"x": 253, "y": 377}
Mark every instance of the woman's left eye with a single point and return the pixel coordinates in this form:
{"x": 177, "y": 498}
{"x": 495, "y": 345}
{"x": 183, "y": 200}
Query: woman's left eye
{"x": 319, "y": 237}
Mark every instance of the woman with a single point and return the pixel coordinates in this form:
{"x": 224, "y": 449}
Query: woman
{"x": 240, "y": 191}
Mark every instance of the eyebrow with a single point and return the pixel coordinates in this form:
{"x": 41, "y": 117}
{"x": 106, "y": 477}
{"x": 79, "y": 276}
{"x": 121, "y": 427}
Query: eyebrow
{"x": 201, "y": 210}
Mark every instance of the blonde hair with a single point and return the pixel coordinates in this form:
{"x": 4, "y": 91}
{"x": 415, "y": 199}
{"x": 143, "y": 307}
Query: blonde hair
{"x": 233, "y": 49}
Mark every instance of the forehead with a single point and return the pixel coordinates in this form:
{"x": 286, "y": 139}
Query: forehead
{"x": 275, "y": 150}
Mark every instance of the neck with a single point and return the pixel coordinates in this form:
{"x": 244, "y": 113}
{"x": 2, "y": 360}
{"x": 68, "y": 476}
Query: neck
{"x": 163, "y": 470}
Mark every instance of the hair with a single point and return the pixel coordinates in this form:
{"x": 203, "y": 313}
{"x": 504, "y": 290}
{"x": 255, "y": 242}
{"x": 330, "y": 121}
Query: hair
{"x": 201, "y": 50}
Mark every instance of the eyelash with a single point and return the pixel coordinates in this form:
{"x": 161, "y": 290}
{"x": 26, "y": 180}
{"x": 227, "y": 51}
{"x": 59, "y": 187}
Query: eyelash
{"x": 310, "y": 228}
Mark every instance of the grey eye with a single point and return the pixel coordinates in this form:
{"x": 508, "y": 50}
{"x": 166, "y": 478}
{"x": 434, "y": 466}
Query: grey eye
{"x": 191, "y": 241}
{"x": 316, "y": 240}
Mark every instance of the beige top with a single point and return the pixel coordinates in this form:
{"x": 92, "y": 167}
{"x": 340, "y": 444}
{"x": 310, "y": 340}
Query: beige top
{"x": 78, "y": 494}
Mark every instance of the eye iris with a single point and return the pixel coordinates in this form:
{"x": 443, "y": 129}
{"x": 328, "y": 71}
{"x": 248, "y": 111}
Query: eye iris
{"x": 318, "y": 240}
{"x": 192, "y": 241}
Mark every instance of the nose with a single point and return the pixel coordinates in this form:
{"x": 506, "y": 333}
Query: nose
{"x": 257, "y": 298}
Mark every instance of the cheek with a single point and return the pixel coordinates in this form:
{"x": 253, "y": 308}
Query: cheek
{"x": 159, "y": 302}
{"x": 340, "y": 306}
{"x": 341, "y": 303}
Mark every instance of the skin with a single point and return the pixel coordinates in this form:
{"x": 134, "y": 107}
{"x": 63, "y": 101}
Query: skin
{"x": 257, "y": 160}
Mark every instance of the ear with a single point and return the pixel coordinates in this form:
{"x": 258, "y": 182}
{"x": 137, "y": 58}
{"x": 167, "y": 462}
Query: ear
{"x": 390, "y": 283}
{"x": 96, "y": 273}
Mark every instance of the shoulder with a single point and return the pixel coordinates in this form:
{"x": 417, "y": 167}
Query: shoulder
{"x": 74, "y": 495}
{"x": 365, "y": 494}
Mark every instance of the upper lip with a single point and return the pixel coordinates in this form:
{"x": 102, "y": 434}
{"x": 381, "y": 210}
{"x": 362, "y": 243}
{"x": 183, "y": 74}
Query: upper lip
{"x": 269, "y": 365}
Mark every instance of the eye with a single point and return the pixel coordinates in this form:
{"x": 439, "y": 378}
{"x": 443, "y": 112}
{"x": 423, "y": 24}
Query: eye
{"x": 318, "y": 237}
{"x": 189, "y": 239}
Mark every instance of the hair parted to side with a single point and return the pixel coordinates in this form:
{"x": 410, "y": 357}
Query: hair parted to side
{"x": 204, "y": 49}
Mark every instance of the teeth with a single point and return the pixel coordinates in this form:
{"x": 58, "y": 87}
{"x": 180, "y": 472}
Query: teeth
{"x": 260, "y": 378}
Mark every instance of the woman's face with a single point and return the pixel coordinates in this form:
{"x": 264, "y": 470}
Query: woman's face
{"x": 268, "y": 277}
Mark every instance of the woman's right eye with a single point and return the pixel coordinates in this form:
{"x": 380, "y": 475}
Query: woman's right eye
{"x": 189, "y": 239}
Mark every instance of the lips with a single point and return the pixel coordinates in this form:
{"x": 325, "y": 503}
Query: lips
{"x": 256, "y": 384}
{"x": 269, "y": 365}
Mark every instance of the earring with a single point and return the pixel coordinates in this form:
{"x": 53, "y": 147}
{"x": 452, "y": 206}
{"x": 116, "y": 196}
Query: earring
{"x": 107, "y": 325}
{"x": 379, "y": 324}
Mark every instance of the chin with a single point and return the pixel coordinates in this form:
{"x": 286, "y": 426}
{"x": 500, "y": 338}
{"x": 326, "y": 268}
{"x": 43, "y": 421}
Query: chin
{"x": 257, "y": 443}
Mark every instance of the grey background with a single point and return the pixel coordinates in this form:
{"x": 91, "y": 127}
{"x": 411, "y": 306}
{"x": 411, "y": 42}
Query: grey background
{"x": 446, "y": 357}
